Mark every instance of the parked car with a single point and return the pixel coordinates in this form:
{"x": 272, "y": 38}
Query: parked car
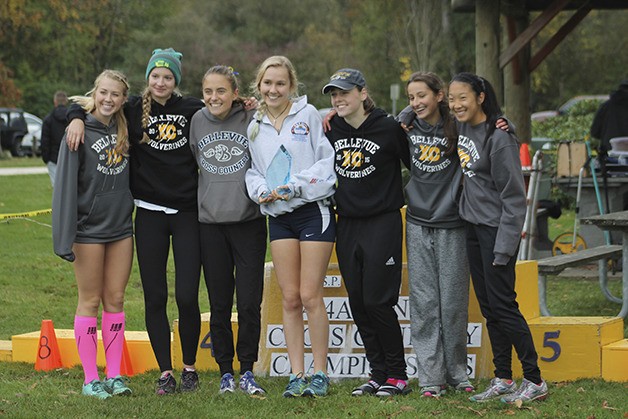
{"x": 564, "y": 108}
{"x": 13, "y": 128}
{"x": 31, "y": 143}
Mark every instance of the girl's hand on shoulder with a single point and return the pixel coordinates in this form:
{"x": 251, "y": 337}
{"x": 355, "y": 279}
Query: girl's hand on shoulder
{"x": 502, "y": 124}
{"x": 251, "y": 103}
{"x": 327, "y": 119}
{"x": 75, "y": 134}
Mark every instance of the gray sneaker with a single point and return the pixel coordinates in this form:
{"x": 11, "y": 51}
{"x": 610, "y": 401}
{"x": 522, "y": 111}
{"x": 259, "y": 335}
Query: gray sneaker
{"x": 527, "y": 392}
{"x": 497, "y": 388}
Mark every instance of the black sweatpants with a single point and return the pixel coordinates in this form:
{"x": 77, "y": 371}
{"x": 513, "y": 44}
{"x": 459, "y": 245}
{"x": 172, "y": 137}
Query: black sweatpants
{"x": 153, "y": 231}
{"x": 495, "y": 290}
{"x": 233, "y": 256}
{"x": 369, "y": 258}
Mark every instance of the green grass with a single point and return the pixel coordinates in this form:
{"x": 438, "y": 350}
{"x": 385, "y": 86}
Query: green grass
{"x": 36, "y": 284}
{"x": 26, "y": 393}
{"x": 7, "y": 161}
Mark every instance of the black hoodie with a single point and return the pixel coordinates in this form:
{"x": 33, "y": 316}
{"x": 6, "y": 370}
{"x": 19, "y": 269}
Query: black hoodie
{"x": 163, "y": 170}
{"x": 367, "y": 162}
{"x": 52, "y": 132}
{"x": 611, "y": 120}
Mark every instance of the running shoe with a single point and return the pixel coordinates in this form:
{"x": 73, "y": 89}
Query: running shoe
{"x": 116, "y": 386}
{"x": 393, "y": 387}
{"x": 227, "y": 383}
{"x": 433, "y": 391}
{"x": 295, "y": 386}
{"x": 249, "y": 386}
{"x": 464, "y": 387}
{"x": 189, "y": 381}
{"x": 367, "y": 389}
{"x": 166, "y": 384}
{"x": 318, "y": 386}
{"x": 95, "y": 388}
{"x": 496, "y": 388}
{"x": 527, "y": 392}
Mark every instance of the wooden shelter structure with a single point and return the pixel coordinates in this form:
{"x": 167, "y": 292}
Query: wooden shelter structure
{"x": 509, "y": 68}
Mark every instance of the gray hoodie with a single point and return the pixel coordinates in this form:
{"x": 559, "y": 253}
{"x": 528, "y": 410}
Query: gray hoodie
{"x": 493, "y": 193}
{"x": 221, "y": 150}
{"x": 91, "y": 201}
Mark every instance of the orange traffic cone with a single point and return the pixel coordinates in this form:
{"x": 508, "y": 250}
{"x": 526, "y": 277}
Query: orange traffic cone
{"x": 48, "y": 354}
{"x": 524, "y": 155}
{"x": 126, "y": 368}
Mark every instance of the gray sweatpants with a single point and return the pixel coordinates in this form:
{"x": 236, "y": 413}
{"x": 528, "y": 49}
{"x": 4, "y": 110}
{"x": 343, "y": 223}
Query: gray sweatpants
{"x": 438, "y": 273}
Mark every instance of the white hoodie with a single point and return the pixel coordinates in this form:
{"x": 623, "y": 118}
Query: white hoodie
{"x": 312, "y": 174}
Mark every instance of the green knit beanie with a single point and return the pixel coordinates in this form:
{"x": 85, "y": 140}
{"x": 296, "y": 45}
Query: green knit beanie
{"x": 168, "y": 58}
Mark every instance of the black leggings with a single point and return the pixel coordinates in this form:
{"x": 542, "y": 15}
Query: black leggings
{"x": 495, "y": 290}
{"x": 233, "y": 258}
{"x": 153, "y": 230}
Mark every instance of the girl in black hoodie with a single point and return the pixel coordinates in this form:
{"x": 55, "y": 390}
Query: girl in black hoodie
{"x": 369, "y": 147}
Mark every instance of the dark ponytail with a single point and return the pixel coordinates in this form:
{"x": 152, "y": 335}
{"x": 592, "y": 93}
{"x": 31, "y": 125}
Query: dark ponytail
{"x": 490, "y": 106}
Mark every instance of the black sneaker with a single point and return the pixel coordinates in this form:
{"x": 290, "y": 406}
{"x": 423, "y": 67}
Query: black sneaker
{"x": 189, "y": 381}
{"x": 367, "y": 389}
{"x": 166, "y": 385}
{"x": 393, "y": 387}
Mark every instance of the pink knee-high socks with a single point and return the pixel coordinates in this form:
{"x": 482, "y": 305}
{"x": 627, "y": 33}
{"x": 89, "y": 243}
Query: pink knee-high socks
{"x": 85, "y": 334}
{"x": 113, "y": 341}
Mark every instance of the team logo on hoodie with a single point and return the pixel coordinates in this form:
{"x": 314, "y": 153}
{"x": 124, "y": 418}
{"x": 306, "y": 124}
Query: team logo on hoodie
{"x": 353, "y": 157}
{"x": 300, "y": 131}
{"x": 468, "y": 155}
{"x": 166, "y": 132}
{"x": 109, "y": 161}
{"x": 428, "y": 153}
{"x": 223, "y": 152}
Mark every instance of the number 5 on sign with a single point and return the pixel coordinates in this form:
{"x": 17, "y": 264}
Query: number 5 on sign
{"x": 548, "y": 342}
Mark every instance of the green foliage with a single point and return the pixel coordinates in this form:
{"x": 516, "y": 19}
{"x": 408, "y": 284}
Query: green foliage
{"x": 574, "y": 126}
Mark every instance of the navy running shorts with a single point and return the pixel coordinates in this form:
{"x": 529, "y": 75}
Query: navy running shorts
{"x": 313, "y": 222}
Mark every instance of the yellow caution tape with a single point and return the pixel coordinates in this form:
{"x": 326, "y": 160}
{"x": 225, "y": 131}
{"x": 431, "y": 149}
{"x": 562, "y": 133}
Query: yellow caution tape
{"x": 26, "y": 214}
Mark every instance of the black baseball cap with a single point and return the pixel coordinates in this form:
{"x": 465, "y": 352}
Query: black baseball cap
{"x": 345, "y": 79}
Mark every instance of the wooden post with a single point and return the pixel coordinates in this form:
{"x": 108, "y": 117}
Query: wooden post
{"x": 516, "y": 103}
{"x": 487, "y": 43}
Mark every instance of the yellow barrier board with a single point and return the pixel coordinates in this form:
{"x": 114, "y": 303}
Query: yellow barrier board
{"x": 571, "y": 347}
{"x": 204, "y": 357}
{"x": 615, "y": 361}
{"x": 6, "y": 351}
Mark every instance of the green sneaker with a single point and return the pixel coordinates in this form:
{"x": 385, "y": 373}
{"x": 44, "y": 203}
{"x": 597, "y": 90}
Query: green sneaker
{"x": 95, "y": 388}
{"x": 497, "y": 388}
{"x": 319, "y": 383}
{"x": 117, "y": 386}
{"x": 295, "y": 386}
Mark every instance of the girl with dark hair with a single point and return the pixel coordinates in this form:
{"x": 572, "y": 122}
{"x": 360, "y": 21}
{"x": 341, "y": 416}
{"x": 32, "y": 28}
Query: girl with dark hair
{"x": 438, "y": 283}
{"x": 493, "y": 204}
{"x": 369, "y": 147}
{"x": 232, "y": 228}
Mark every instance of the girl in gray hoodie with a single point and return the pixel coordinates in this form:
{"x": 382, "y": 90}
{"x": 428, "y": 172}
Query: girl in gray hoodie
{"x": 91, "y": 226}
{"x": 232, "y": 228}
{"x": 493, "y": 204}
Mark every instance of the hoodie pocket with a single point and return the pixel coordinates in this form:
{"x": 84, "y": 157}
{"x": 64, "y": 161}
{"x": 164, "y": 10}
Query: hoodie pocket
{"x": 109, "y": 215}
